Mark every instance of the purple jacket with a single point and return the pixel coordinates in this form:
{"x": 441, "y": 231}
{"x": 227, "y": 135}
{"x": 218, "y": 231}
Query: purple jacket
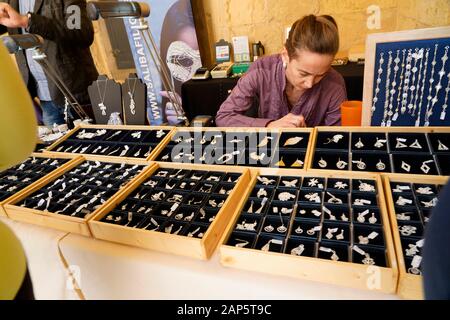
{"x": 266, "y": 80}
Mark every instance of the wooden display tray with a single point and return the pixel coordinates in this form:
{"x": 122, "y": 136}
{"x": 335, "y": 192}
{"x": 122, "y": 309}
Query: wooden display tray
{"x": 55, "y": 172}
{"x": 346, "y": 274}
{"x": 169, "y": 243}
{"x": 54, "y": 220}
{"x": 153, "y": 154}
{"x": 409, "y": 285}
{"x": 249, "y": 131}
{"x": 309, "y": 164}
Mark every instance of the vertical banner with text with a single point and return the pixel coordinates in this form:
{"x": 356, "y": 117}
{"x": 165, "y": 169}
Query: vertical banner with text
{"x": 172, "y": 26}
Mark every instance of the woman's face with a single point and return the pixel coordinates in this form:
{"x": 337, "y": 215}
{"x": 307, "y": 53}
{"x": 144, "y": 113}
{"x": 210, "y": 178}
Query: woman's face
{"x": 307, "y": 68}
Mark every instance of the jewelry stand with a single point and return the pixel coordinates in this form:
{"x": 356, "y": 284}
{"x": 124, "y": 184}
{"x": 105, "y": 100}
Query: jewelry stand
{"x": 106, "y": 98}
{"x": 134, "y": 93}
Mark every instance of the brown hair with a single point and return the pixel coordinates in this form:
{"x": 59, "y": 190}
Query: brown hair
{"x": 317, "y": 34}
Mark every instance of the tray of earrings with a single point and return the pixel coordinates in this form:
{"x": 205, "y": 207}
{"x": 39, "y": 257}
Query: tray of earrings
{"x": 328, "y": 228}
{"x": 420, "y": 151}
{"x": 34, "y": 169}
{"x": 234, "y": 146}
{"x": 410, "y": 206}
{"x": 66, "y": 200}
{"x": 124, "y": 142}
{"x": 175, "y": 208}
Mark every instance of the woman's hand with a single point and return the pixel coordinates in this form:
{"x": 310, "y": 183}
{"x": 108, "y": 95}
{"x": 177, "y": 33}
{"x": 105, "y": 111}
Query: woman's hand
{"x": 288, "y": 121}
{"x": 10, "y": 18}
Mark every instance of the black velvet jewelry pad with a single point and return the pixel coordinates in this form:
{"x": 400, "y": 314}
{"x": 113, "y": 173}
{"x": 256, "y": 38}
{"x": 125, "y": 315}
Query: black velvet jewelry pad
{"x": 369, "y": 140}
{"x": 415, "y": 160}
{"x": 410, "y": 140}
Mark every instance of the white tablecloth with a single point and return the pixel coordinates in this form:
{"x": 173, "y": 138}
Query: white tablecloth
{"x": 106, "y": 270}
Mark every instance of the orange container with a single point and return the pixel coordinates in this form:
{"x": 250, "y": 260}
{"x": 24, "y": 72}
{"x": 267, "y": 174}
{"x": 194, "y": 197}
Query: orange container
{"x": 351, "y": 113}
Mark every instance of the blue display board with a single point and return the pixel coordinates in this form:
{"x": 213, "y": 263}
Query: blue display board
{"x": 411, "y": 83}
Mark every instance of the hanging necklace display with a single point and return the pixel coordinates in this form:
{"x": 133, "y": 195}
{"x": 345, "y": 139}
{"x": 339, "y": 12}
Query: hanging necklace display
{"x": 412, "y": 88}
{"x": 429, "y": 109}
{"x": 392, "y": 92}
{"x": 102, "y": 105}
{"x": 406, "y": 82}
{"x": 419, "y": 112}
{"x": 416, "y": 96}
{"x": 438, "y": 87}
{"x": 131, "y": 95}
{"x": 386, "y": 98}
{"x": 377, "y": 89}
{"x": 445, "y": 105}
{"x": 399, "y": 88}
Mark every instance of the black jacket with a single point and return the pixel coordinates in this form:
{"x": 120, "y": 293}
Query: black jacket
{"x": 67, "y": 50}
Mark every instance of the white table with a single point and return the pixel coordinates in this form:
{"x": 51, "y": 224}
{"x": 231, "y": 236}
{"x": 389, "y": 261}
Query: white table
{"x": 106, "y": 270}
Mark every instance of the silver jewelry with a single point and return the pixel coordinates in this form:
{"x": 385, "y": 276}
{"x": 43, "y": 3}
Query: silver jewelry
{"x": 322, "y": 163}
{"x": 424, "y": 190}
{"x": 431, "y": 101}
{"x": 340, "y": 185}
{"x": 392, "y": 91}
{"x": 400, "y": 143}
{"x": 227, "y": 157}
{"x": 336, "y": 138}
{"x": 416, "y": 56}
{"x": 330, "y": 232}
{"x": 381, "y": 166}
{"x": 285, "y": 196}
{"x": 334, "y": 256}
{"x": 377, "y": 89}
{"x": 425, "y": 167}
{"x": 290, "y": 184}
{"x": 361, "y": 216}
{"x": 298, "y": 230}
{"x": 360, "y": 164}
{"x": 313, "y": 197}
{"x": 403, "y": 216}
{"x": 417, "y": 124}
{"x": 282, "y": 228}
{"x": 194, "y": 232}
{"x": 419, "y": 55}
{"x": 445, "y": 105}
{"x": 266, "y": 181}
{"x": 416, "y": 145}
{"x": 269, "y": 228}
{"x": 313, "y": 182}
{"x": 292, "y": 141}
{"x": 441, "y": 146}
{"x": 102, "y": 105}
{"x": 344, "y": 217}
{"x": 407, "y": 230}
{"x": 263, "y": 203}
{"x": 333, "y": 199}
{"x": 406, "y": 166}
{"x": 242, "y": 244}
{"x": 406, "y": 82}
{"x": 340, "y": 236}
{"x": 430, "y": 204}
{"x": 359, "y": 144}
{"x": 266, "y": 247}
{"x": 297, "y": 251}
{"x": 160, "y": 133}
{"x": 297, "y": 163}
{"x": 256, "y": 157}
{"x": 261, "y": 193}
{"x": 387, "y": 92}
{"x": 362, "y": 202}
{"x": 313, "y": 230}
{"x": 250, "y": 210}
{"x": 265, "y": 141}
{"x": 372, "y": 219}
{"x": 380, "y": 143}
{"x": 341, "y": 164}
{"x": 402, "y": 201}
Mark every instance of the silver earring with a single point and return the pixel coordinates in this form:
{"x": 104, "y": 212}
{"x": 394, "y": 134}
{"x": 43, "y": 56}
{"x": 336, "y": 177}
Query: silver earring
{"x": 284, "y": 64}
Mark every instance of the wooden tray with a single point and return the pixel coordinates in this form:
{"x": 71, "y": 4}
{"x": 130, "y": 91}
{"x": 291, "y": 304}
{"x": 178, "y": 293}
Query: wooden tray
{"x": 153, "y": 154}
{"x": 409, "y": 285}
{"x": 169, "y": 243}
{"x": 53, "y": 220}
{"x": 249, "y": 131}
{"x": 347, "y": 274}
{"x": 55, "y": 172}
{"x": 309, "y": 164}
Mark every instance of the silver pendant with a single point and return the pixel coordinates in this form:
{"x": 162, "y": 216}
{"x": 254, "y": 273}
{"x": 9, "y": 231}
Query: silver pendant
{"x": 132, "y": 104}
{"x": 381, "y": 166}
{"x": 102, "y": 107}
